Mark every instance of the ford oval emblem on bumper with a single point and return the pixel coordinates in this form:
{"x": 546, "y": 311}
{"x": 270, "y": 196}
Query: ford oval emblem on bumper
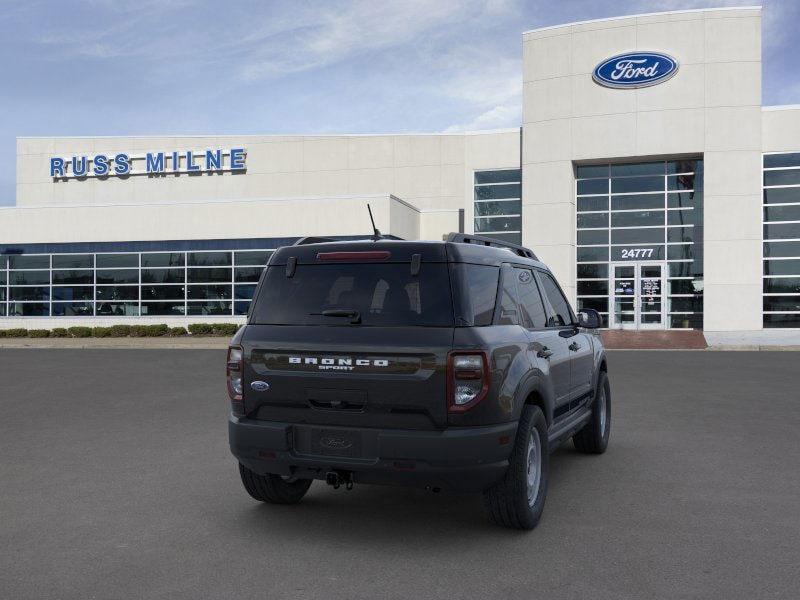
{"x": 260, "y": 386}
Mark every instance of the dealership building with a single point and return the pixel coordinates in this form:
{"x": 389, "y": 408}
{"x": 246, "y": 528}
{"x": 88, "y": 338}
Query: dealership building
{"x": 646, "y": 173}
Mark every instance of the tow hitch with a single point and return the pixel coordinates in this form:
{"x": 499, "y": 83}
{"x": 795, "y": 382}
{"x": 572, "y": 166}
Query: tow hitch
{"x": 339, "y": 478}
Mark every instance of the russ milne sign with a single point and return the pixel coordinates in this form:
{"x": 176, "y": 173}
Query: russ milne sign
{"x": 150, "y": 163}
{"x": 635, "y": 70}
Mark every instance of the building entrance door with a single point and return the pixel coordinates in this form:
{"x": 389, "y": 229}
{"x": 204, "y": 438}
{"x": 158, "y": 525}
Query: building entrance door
{"x": 637, "y": 295}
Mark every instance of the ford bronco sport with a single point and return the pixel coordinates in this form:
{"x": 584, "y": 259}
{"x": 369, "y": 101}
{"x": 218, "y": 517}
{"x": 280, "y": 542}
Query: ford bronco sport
{"x": 446, "y": 365}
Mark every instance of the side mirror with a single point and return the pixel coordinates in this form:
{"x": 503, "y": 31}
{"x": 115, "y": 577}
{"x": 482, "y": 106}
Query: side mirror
{"x": 589, "y": 318}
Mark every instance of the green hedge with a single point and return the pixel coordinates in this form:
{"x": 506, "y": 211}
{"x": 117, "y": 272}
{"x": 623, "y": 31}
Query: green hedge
{"x": 201, "y": 329}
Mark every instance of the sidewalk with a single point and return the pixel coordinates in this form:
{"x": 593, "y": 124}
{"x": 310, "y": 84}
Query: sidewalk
{"x": 149, "y": 343}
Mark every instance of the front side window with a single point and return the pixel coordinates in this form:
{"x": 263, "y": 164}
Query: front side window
{"x": 562, "y": 315}
{"x": 530, "y": 300}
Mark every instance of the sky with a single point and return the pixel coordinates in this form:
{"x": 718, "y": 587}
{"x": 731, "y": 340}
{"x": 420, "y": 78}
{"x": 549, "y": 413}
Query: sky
{"x": 171, "y": 67}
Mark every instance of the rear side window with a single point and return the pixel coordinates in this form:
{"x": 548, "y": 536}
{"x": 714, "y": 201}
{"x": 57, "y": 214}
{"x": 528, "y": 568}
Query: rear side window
{"x": 530, "y": 300}
{"x": 382, "y": 294}
{"x": 475, "y": 288}
{"x": 562, "y": 313}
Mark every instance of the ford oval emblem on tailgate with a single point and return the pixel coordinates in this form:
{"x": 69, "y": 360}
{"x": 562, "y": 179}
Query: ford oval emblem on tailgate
{"x": 260, "y": 386}
{"x": 335, "y": 443}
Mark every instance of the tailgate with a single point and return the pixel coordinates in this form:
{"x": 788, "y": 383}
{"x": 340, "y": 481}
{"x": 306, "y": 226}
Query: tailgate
{"x": 387, "y": 377}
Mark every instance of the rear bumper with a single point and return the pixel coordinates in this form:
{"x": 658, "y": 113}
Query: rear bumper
{"x": 463, "y": 459}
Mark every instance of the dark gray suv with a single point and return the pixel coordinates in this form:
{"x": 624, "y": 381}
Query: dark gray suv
{"x": 445, "y": 365}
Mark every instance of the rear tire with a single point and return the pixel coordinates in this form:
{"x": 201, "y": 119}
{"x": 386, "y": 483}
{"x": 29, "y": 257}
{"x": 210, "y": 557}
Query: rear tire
{"x": 273, "y": 488}
{"x": 518, "y": 500}
{"x": 593, "y": 438}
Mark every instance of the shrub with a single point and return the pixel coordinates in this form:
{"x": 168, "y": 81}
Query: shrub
{"x": 119, "y": 330}
{"x": 39, "y": 333}
{"x": 201, "y": 329}
{"x": 227, "y": 329}
{"x": 59, "y": 332}
{"x": 80, "y": 332}
{"x": 101, "y": 332}
{"x": 177, "y": 331}
{"x": 156, "y": 330}
{"x": 138, "y": 330}
{"x": 16, "y": 332}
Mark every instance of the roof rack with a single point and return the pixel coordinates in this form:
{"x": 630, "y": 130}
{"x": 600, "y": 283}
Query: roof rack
{"x": 465, "y": 238}
{"x": 310, "y": 239}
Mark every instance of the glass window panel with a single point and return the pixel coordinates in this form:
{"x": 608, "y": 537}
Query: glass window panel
{"x": 684, "y": 166}
{"x": 209, "y": 275}
{"x": 782, "y": 213}
{"x": 29, "y": 293}
{"x": 637, "y": 219}
{"x": 782, "y": 267}
{"x": 29, "y": 277}
{"x": 163, "y": 259}
{"x": 2, "y": 294}
{"x": 247, "y": 273}
{"x": 117, "y": 292}
{"x": 592, "y": 186}
{"x": 598, "y": 203}
{"x": 648, "y": 168}
{"x": 592, "y": 236}
{"x": 26, "y": 261}
{"x": 71, "y": 292}
{"x": 506, "y": 207}
{"x": 592, "y": 254}
{"x": 593, "y": 288}
{"x": 680, "y": 234}
{"x": 73, "y": 277}
{"x": 244, "y": 292}
{"x": 209, "y": 292}
{"x": 116, "y": 261}
{"x": 694, "y": 304}
{"x": 681, "y": 269}
{"x": 685, "y": 286}
{"x": 637, "y": 184}
{"x": 162, "y": 292}
{"x": 3, "y": 309}
{"x": 73, "y": 309}
{"x": 493, "y": 192}
{"x": 163, "y": 276}
{"x": 598, "y": 304}
{"x": 593, "y": 220}
{"x": 782, "y": 285}
{"x": 28, "y": 309}
{"x": 2, "y": 277}
{"x": 637, "y": 236}
{"x": 562, "y": 312}
{"x": 73, "y": 261}
{"x": 117, "y": 309}
{"x": 637, "y": 202}
{"x": 782, "y": 303}
{"x": 209, "y": 259}
{"x": 240, "y": 307}
{"x": 586, "y": 171}
{"x": 117, "y": 276}
{"x": 209, "y": 308}
{"x": 791, "y": 159}
{"x": 592, "y": 271}
{"x": 251, "y": 257}
{"x": 514, "y": 238}
{"x": 684, "y": 199}
{"x": 680, "y": 252}
{"x": 162, "y": 308}
{"x": 681, "y": 217}
{"x": 3, "y": 262}
{"x": 501, "y": 176}
{"x": 782, "y": 195}
{"x": 782, "y": 249}
{"x": 498, "y": 224}
{"x": 782, "y": 231}
{"x": 788, "y": 177}
{"x": 686, "y": 321}
{"x": 680, "y": 182}
{"x": 774, "y": 321}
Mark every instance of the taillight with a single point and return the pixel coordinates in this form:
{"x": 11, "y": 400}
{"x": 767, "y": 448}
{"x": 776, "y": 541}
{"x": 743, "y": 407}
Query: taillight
{"x": 233, "y": 372}
{"x": 468, "y": 379}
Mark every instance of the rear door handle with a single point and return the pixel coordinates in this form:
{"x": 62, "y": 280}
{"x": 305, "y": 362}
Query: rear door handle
{"x": 574, "y": 346}
{"x": 545, "y": 352}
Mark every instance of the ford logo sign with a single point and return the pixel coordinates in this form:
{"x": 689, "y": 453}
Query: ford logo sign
{"x": 635, "y": 70}
{"x": 260, "y": 386}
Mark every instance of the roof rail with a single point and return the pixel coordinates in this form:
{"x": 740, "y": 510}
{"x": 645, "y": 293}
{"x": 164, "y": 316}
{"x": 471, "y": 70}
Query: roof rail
{"x": 466, "y": 238}
{"x": 312, "y": 240}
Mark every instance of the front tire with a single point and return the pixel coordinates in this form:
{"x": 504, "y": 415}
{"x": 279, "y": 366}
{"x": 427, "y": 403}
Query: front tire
{"x": 593, "y": 438}
{"x": 518, "y": 500}
{"x": 273, "y": 489}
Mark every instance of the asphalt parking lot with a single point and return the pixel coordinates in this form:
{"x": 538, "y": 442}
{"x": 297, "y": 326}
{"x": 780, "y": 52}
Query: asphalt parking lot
{"x": 116, "y": 482}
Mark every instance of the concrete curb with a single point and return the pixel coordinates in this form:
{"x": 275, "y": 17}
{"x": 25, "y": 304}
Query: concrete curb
{"x": 199, "y": 343}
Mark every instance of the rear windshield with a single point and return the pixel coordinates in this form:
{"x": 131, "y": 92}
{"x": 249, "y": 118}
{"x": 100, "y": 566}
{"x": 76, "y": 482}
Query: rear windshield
{"x": 382, "y": 294}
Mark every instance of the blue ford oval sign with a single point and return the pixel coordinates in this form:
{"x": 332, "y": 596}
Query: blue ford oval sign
{"x": 635, "y": 70}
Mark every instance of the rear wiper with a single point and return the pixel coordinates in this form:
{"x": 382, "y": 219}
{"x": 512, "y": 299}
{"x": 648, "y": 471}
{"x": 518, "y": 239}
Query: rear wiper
{"x": 353, "y": 315}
